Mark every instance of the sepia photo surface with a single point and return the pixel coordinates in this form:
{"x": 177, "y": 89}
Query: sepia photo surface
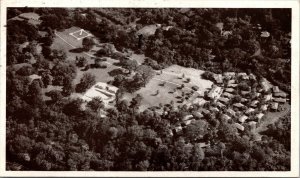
{"x": 150, "y": 90}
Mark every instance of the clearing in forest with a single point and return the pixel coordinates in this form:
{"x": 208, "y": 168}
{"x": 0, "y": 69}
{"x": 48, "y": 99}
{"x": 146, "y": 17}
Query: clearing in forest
{"x": 166, "y": 87}
{"x": 80, "y": 34}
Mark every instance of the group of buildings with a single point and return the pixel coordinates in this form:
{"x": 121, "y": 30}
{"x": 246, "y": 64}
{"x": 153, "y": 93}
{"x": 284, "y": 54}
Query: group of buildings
{"x": 238, "y": 106}
{"x": 106, "y": 92}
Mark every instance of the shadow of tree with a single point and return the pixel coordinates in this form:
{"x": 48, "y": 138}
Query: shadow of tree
{"x": 115, "y": 72}
{"x": 77, "y": 50}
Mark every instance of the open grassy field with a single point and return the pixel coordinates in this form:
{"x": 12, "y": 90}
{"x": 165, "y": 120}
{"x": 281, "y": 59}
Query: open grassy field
{"x": 172, "y": 77}
{"x": 154, "y": 93}
{"x": 65, "y": 34}
{"x": 140, "y": 58}
{"x": 174, "y": 74}
{"x": 165, "y": 96}
{"x": 59, "y": 44}
{"x": 102, "y": 75}
{"x": 64, "y": 41}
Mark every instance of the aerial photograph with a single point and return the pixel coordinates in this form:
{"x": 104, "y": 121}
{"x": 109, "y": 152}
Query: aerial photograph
{"x": 148, "y": 89}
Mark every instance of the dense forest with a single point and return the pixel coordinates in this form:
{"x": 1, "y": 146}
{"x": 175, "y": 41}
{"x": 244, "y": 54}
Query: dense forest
{"x": 58, "y": 134}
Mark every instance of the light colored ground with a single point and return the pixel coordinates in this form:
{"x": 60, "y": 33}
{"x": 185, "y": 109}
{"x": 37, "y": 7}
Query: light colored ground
{"x": 59, "y": 44}
{"x": 147, "y": 30}
{"x": 64, "y": 41}
{"x": 33, "y": 18}
{"x": 175, "y": 72}
{"x": 49, "y": 88}
{"x": 171, "y": 76}
{"x": 140, "y": 58}
{"x": 65, "y": 34}
{"x": 272, "y": 117}
{"x": 101, "y": 74}
{"x": 151, "y": 98}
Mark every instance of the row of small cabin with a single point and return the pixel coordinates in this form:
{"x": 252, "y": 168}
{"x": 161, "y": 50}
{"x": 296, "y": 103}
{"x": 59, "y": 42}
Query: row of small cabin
{"x": 216, "y": 92}
{"x": 223, "y": 98}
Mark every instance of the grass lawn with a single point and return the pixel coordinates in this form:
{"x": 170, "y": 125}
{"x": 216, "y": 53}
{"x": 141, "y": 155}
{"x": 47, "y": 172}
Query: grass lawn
{"x": 101, "y": 74}
{"x": 65, "y": 34}
{"x": 140, "y": 58}
{"x": 174, "y": 74}
{"x": 165, "y": 95}
{"x": 49, "y": 88}
{"x": 61, "y": 45}
{"x": 166, "y": 92}
{"x": 171, "y": 75}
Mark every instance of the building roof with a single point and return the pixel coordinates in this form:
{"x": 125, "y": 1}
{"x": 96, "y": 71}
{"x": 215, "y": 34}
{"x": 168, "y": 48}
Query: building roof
{"x": 202, "y": 144}
{"x": 244, "y": 100}
{"x": 187, "y": 117}
{"x": 275, "y": 89}
{"x": 264, "y": 107}
{"x": 224, "y": 100}
{"x": 265, "y": 34}
{"x": 109, "y": 88}
{"x": 214, "y": 109}
{"x": 22, "y": 46}
{"x": 148, "y": 30}
{"x": 188, "y": 122}
{"x": 231, "y": 81}
{"x": 226, "y": 33}
{"x": 219, "y": 104}
{"x": 280, "y": 100}
{"x": 230, "y": 111}
{"x": 239, "y": 126}
{"x": 249, "y": 110}
{"x": 167, "y": 28}
{"x": 32, "y": 18}
{"x": 257, "y": 94}
{"x": 34, "y": 77}
{"x": 199, "y": 101}
{"x": 280, "y": 94}
{"x": 205, "y": 111}
{"x": 226, "y": 117}
{"x": 274, "y": 105}
{"x": 218, "y": 78}
{"x": 229, "y": 74}
{"x": 197, "y": 114}
{"x": 245, "y": 92}
{"x": 30, "y": 15}
{"x": 245, "y": 77}
{"x": 230, "y": 90}
{"x": 232, "y": 85}
{"x": 254, "y": 103}
{"x": 268, "y": 97}
{"x": 242, "y": 74}
{"x": 243, "y": 118}
{"x": 265, "y": 86}
{"x": 238, "y": 105}
{"x": 102, "y": 90}
{"x": 259, "y": 115}
{"x": 252, "y": 124}
{"x": 178, "y": 129}
{"x": 226, "y": 94}
{"x": 252, "y": 76}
